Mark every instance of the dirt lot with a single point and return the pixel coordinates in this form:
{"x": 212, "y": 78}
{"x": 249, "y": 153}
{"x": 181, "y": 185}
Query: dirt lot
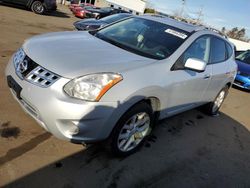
{"x": 188, "y": 150}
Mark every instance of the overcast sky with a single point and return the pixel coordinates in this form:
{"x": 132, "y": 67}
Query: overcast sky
{"x": 217, "y": 13}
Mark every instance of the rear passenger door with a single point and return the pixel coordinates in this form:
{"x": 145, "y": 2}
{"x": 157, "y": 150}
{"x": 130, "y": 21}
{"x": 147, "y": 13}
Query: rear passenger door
{"x": 220, "y": 67}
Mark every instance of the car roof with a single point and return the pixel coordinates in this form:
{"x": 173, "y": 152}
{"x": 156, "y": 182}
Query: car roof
{"x": 175, "y": 23}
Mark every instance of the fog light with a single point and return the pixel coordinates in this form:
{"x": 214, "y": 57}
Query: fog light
{"x": 73, "y": 130}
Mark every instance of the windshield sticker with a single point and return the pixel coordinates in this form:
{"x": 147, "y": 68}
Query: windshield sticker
{"x": 176, "y": 33}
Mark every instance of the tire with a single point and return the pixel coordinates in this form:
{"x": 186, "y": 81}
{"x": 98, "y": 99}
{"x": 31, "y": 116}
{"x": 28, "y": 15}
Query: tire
{"x": 38, "y": 7}
{"x": 135, "y": 125}
{"x": 213, "y": 108}
{"x": 98, "y": 17}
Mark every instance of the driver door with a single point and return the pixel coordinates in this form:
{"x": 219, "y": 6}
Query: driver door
{"x": 187, "y": 87}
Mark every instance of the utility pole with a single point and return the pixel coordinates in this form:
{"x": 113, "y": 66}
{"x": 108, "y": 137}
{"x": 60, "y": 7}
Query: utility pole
{"x": 200, "y": 15}
{"x": 182, "y": 8}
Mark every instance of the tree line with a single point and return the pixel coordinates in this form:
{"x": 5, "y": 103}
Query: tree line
{"x": 236, "y": 33}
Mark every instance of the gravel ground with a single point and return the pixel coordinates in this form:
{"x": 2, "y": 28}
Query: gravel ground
{"x": 188, "y": 150}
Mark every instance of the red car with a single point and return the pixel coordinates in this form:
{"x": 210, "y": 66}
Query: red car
{"x": 80, "y": 13}
{"x": 73, "y": 6}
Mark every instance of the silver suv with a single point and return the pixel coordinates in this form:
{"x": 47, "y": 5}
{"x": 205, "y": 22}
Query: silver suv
{"x": 114, "y": 83}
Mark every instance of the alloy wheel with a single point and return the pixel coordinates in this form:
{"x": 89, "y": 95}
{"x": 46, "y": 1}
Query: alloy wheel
{"x": 133, "y": 131}
{"x": 218, "y": 101}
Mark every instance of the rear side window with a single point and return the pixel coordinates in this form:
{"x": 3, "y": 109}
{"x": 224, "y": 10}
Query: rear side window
{"x": 229, "y": 50}
{"x": 218, "y": 50}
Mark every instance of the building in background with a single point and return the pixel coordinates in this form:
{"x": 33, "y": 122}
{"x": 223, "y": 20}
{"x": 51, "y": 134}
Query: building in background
{"x": 133, "y": 6}
{"x": 240, "y": 45}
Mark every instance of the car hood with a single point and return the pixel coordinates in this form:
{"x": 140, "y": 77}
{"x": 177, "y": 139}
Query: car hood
{"x": 73, "y": 54}
{"x": 243, "y": 67}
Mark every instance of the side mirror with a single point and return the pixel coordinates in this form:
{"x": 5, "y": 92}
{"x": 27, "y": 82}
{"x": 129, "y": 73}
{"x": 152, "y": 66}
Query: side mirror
{"x": 195, "y": 65}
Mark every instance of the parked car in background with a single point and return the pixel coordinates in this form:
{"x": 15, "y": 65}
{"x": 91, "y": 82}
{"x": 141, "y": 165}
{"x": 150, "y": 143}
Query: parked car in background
{"x": 242, "y": 79}
{"x": 81, "y": 12}
{"x": 73, "y": 6}
{"x": 103, "y": 12}
{"x": 92, "y": 23}
{"x": 238, "y": 52}
{"x": 37, "y": 6}
{"x": 114, "y": 83}
{"x": 82, "y": 7}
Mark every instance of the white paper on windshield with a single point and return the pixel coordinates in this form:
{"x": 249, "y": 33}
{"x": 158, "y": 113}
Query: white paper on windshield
{"x": 176, "y": 33}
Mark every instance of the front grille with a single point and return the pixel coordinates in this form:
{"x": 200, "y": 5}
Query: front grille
{"x": 37, "y": 75}
{"x": 41, "y": 77}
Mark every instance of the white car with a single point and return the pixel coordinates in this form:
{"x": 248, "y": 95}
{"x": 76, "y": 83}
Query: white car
{"x": 114, "y": 83}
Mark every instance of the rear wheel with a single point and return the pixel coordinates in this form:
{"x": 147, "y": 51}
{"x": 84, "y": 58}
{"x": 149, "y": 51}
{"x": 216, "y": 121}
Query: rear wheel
{"x": 132, "y": 130}
{"x": 38, "y": 7}
{"x": 212, "y": 108}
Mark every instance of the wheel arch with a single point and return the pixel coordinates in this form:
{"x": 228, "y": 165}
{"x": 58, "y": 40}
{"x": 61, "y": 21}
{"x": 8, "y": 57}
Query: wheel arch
{"x": 152, "y": 101}
{"x": 229, "y": 84}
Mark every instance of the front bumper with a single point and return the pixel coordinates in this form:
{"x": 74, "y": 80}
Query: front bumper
{"x": 242, "y": 82}
{"x": 58, "y": 113}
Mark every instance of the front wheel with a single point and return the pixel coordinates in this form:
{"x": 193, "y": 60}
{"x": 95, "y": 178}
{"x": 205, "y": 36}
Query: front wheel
{"x": 38, "y": 7}
{"x": 98, "y": 17}
{"x": 132, "y": 130}
{"x": 212, "y": 108}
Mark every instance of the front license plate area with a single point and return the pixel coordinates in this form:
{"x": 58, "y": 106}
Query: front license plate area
{"x": 15, "y": 86}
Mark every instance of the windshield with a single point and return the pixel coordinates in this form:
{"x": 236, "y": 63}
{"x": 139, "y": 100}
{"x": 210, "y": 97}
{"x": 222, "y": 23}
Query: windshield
{"x": 144, "y": 37}
{"x": 244, "y": 57}
{"x": 115, "y": 17}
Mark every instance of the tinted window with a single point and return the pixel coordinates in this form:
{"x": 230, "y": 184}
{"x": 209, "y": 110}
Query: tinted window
{"x": 229, "y": 50}
{"x": 199, "y": 49}
{"x": 144, "y": 37}
{"x": 218, "y": 50}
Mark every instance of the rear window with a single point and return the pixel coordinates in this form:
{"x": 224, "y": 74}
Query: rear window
{"x": 218, "y": 50}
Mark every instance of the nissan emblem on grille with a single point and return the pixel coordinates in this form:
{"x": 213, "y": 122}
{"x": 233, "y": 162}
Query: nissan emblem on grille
{"x": 30, "y": 71}
{"x": 22, "y": 66}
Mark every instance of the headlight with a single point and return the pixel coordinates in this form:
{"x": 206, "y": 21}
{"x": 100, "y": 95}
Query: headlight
{"x": 91, "y": 87}
{"x": 18, "y": 57}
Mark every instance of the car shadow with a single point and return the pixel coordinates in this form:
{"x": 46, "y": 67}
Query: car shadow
{"x": 188, "y": 150}
{"x": 57, "y": 13}
{"x": 241, "y": 89}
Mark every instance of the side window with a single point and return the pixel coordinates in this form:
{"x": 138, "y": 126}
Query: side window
{"x": 218, "y": 50}
{"x": 229, "y": 50}
{"x": 200, "y": 49}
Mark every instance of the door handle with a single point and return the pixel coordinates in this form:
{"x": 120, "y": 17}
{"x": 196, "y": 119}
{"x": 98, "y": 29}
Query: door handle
{"x": 207, "y": 76}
